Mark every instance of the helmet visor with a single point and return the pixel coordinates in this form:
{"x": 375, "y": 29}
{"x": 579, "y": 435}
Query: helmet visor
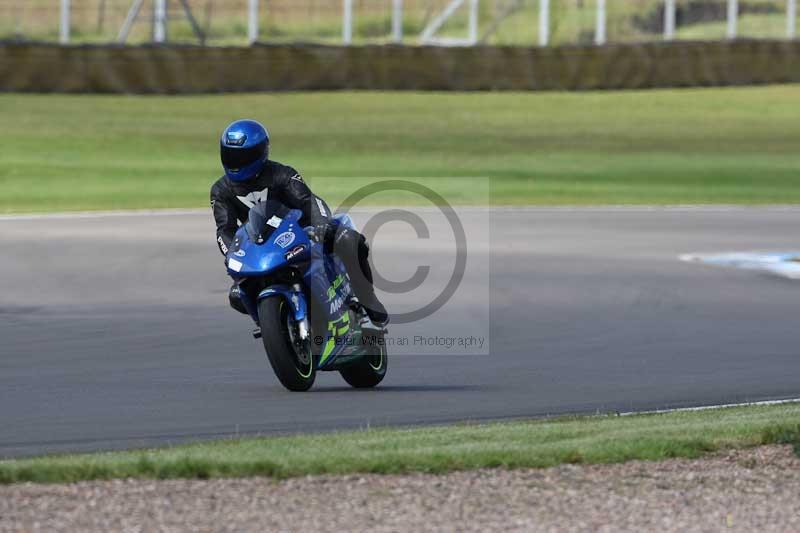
{"x": 236, "y": 158}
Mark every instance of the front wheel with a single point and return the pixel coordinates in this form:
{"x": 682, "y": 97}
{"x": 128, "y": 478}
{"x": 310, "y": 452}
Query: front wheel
{"x": 371, "y": 369}
{"x": 291, "y": 358}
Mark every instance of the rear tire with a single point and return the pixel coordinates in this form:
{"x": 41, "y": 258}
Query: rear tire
{"x": 287, "y": 361}
{"x": 370, "y": 370}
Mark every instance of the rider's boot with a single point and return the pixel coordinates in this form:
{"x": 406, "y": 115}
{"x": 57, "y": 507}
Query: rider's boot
{"x": 375, "y": 311}
{"x": 366, "y": 322}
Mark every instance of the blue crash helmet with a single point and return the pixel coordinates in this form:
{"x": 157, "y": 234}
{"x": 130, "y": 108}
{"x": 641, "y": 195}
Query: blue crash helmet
{"x": 244, "y": 149}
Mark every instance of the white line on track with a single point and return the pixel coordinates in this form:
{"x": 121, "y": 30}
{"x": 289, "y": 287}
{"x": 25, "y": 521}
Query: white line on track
{"x": 711, "y": 407}
{"x": 133, "y": 213}
{"x": 510, "y": 208}
{"x": 105, "y": 214}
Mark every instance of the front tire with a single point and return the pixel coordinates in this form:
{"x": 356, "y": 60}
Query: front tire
{"x": 370, "y": 370}
{"x": 293, "y": 365}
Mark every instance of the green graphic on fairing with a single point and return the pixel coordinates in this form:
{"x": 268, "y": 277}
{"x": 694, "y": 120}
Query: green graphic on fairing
{"x": 335, "y": 285}
{"x": 336, "y": 328}
{"x": 337, "y": 295}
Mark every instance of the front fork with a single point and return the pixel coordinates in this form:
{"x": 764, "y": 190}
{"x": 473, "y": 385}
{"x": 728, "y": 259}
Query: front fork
{"x": 296, "y": 299}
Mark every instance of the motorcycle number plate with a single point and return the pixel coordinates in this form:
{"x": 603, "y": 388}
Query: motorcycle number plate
{"x": 234, "y": 265}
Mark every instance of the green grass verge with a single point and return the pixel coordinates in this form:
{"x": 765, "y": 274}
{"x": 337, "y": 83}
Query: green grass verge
{"x": 691, "y": 146}
{"x": 583, "y": 440}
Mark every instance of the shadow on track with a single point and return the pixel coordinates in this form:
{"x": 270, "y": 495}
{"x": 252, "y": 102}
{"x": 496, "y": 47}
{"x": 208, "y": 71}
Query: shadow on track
{"x": 406, "y": 388}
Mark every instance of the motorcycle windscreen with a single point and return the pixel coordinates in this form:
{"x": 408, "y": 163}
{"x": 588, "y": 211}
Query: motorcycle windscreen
{"x": 264, "y": 218}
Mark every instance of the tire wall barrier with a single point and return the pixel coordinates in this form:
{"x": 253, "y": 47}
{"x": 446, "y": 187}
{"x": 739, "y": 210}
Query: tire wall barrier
{"x": 194, "y": 69}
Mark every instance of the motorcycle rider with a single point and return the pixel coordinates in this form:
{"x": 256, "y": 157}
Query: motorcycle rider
{"x": 251, "y": 177}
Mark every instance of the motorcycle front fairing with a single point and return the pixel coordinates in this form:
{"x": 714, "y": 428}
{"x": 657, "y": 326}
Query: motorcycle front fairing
{"x": 266, "y": 245}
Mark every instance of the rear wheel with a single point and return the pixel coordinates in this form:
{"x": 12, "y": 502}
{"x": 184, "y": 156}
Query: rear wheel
{"x": 371, "y": 369}
{"x": 290, "y": 357}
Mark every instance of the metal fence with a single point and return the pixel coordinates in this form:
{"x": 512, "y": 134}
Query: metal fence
{"x": 411, "y": 22}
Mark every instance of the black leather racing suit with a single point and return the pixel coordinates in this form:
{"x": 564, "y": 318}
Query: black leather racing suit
{"x": 231, "y": 202}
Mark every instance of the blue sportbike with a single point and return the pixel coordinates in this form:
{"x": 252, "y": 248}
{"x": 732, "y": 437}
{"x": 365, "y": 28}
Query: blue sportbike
{"x": 301, "y": 300}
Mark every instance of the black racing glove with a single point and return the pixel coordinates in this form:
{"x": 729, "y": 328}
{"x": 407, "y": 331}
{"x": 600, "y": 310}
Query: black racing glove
{"x": 320, "y": 233}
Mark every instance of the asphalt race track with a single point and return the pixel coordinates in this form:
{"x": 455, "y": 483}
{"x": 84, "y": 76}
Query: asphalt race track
{"x": 115, "y": 330}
